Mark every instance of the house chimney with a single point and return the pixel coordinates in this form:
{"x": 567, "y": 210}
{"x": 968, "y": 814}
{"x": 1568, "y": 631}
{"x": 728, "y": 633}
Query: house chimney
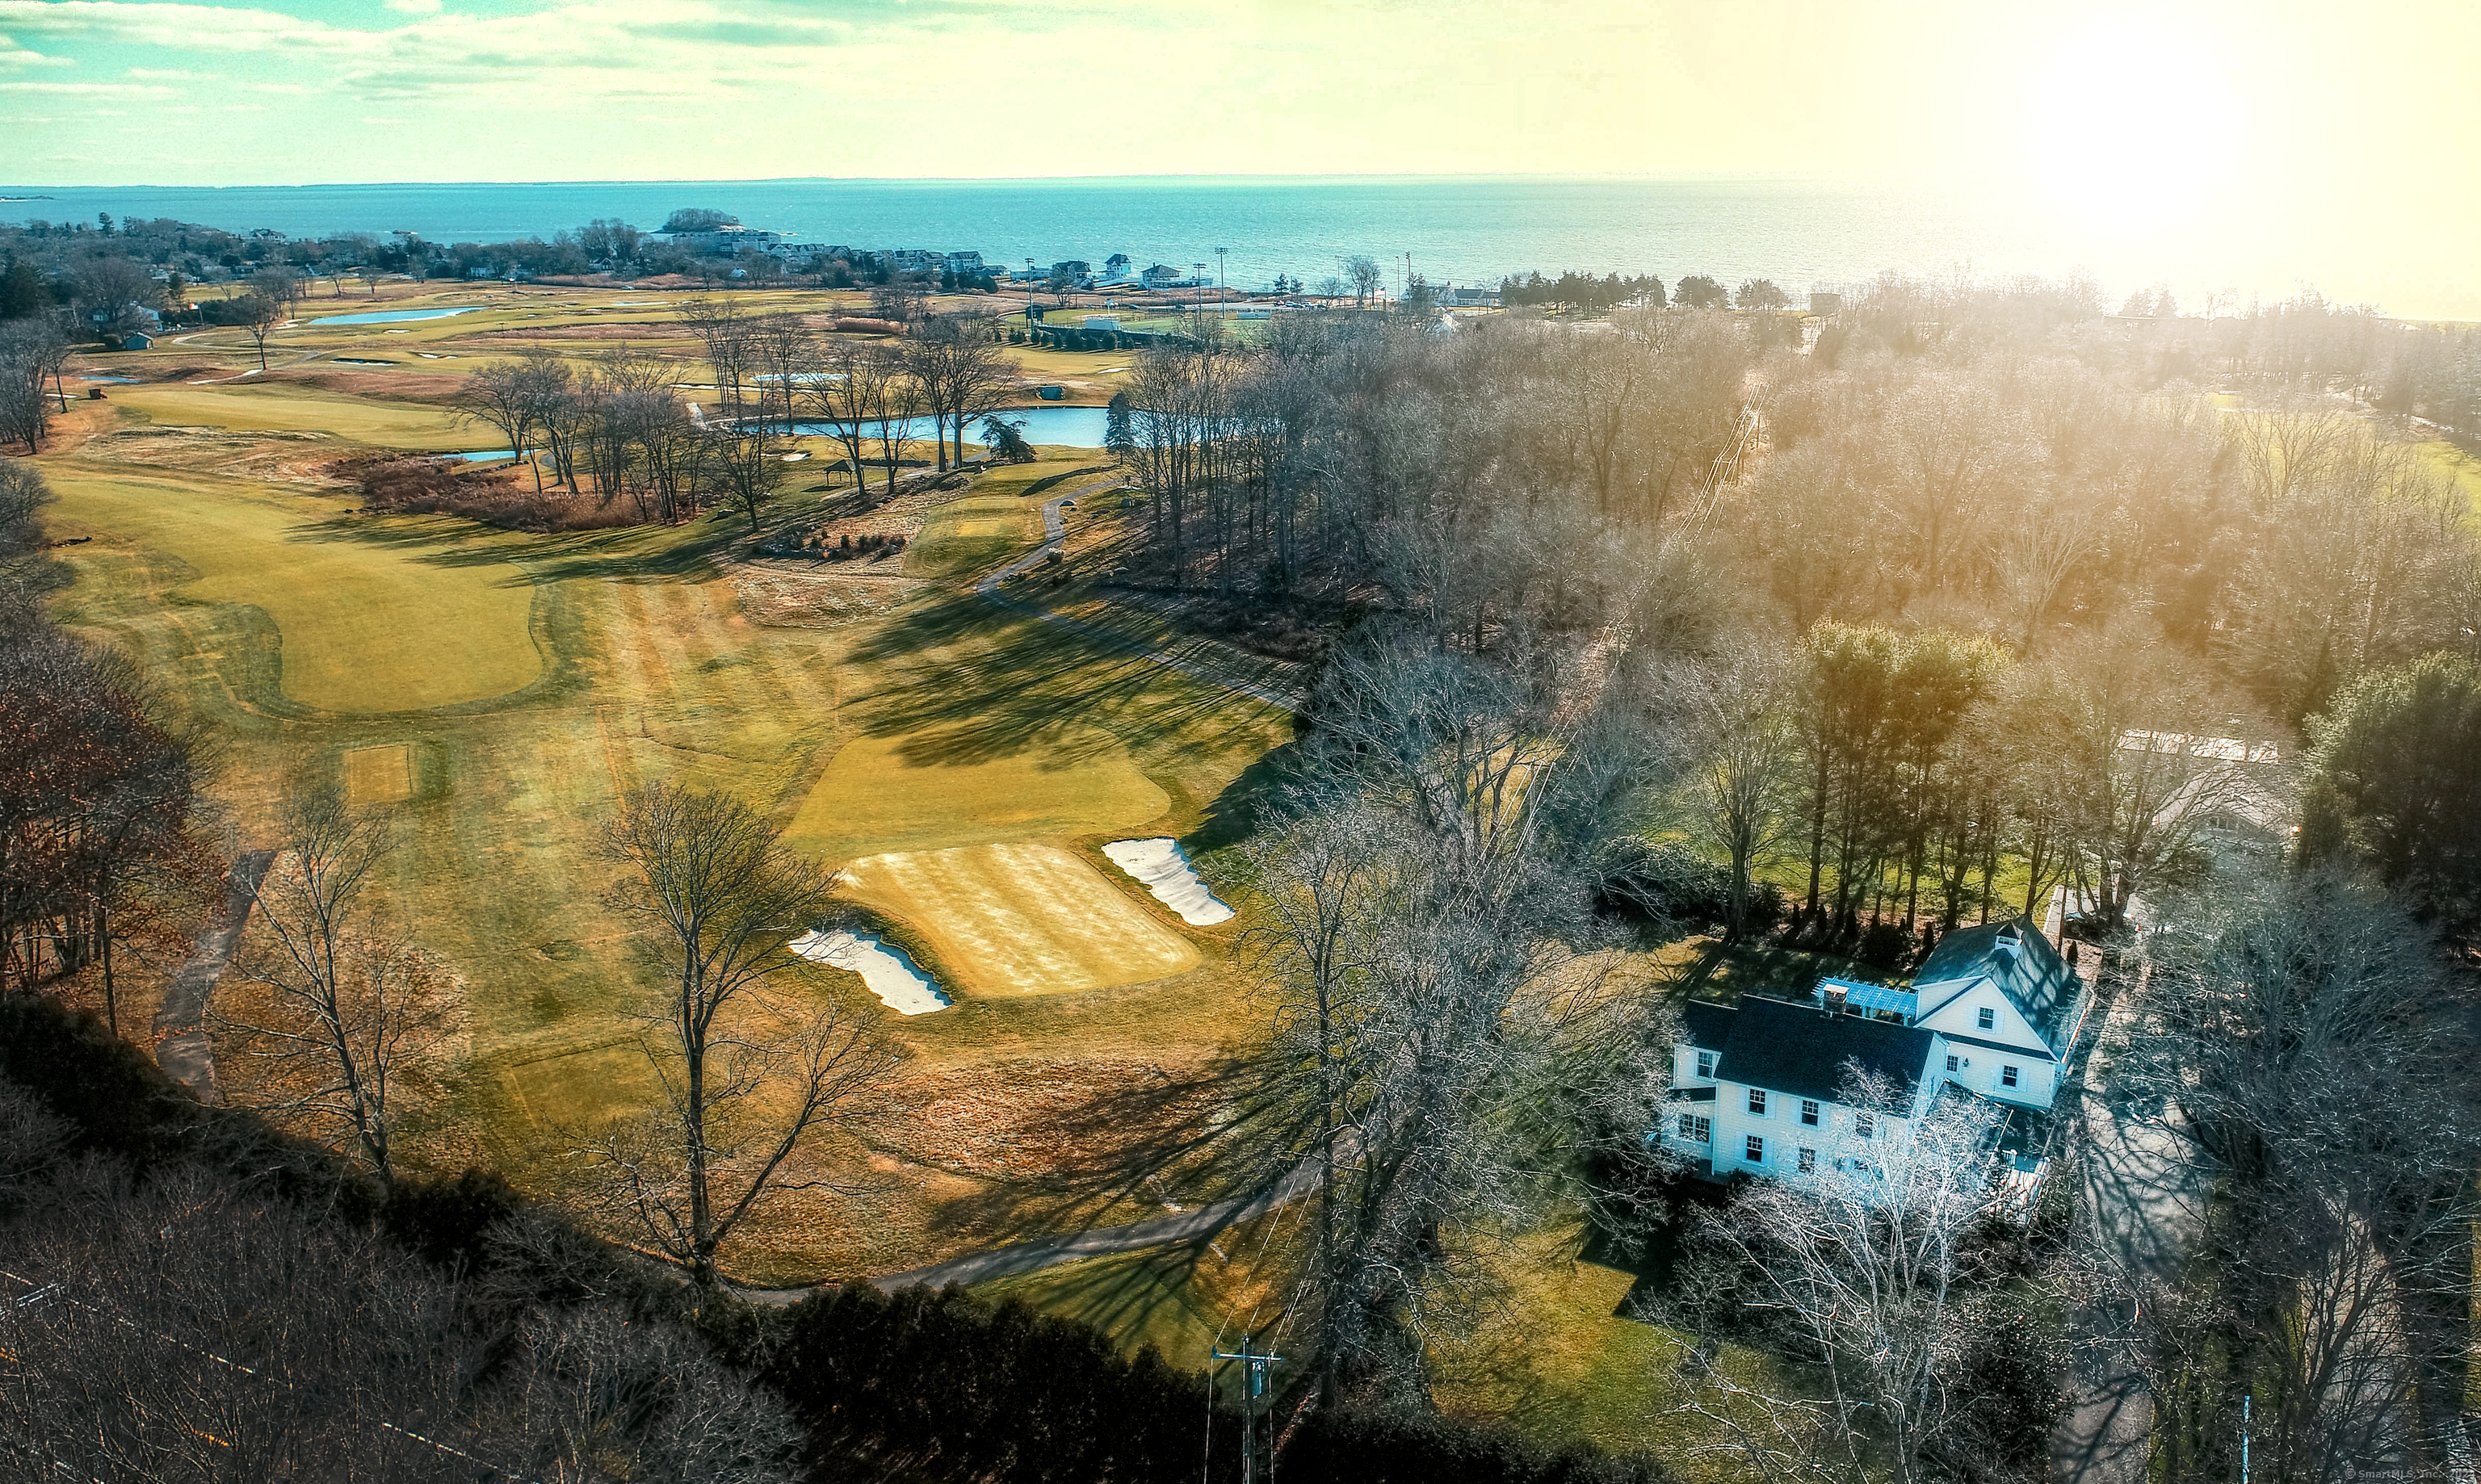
{"x": 1836, "y": 999}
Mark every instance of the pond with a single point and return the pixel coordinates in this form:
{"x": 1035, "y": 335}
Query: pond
{"x": 1076, "y": 427}
{"x": 390, "y": 316}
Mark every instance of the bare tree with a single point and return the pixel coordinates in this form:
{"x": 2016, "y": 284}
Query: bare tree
{"x": 345, "y": 1013}
{"x": 2317, "y": 1058}
{"x": 961, "y": 374}
{"x": 503, "y": 398}
{"x": 1425, "y": 969}
{"x": 2032, "y": 556}
{"x": 33, "y": 350}
{"x": 751, "y": 464}
{"x": 856, "y": 386}
{"x": 1863, "y": 1266}
{"x": 1742, "y": 749}
{"x": 262, "y": 315}
{"x": 2148, "y": 757}
{"x": 1362, "y": 271}
{"x": 747, "y": 1078}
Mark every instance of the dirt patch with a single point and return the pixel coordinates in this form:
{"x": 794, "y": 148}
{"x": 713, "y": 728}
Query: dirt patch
{"x": 826, "y": 600}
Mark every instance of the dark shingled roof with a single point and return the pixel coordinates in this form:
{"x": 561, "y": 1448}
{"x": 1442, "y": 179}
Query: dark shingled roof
{"x": 2035, "y": 978}
{"x": 1706, "y": 1023}
{"x": 1803, "y": 1051}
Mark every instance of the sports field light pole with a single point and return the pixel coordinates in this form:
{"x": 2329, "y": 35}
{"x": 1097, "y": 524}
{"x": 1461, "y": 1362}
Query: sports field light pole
{"x": 1219, "y": 279}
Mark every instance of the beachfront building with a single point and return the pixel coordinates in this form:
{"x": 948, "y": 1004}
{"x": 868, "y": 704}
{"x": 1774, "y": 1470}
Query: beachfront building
{"x": 1162, "y": 275}
{"x": 728, "y": 240}
{"x": 1766, "y": 1087}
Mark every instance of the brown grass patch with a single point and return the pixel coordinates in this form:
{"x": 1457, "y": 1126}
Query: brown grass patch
{"x": 377, "y": 775}
{"x": 1037, "y": 1119}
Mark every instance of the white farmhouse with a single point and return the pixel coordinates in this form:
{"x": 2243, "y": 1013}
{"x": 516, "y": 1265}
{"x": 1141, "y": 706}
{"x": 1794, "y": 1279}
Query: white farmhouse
{"x": 1758, "y": 1087}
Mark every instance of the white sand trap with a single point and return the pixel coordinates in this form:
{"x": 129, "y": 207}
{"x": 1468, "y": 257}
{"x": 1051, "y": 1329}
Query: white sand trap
{"x": 1021, "y": 918}
{"x": 890, "y": 975}
{"x": 1167, "y": 874}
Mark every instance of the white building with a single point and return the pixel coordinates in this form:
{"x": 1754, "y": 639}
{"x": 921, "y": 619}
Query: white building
{"x": 1759, "y": 1087}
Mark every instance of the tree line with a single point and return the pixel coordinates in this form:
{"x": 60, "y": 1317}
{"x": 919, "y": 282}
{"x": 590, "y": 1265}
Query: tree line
{"x": 622, "y": 434}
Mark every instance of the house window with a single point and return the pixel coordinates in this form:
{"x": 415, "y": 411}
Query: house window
{"x": 2007, "y": 1077}
{"x": 1705, "y": 1064}
{"x": 1757, "y": 1099}
{"x": 1696, "y": 1129}
{"x": 1864, "y": 1126}
{"x": 1756, "y": 1150}
{"x": 1808, "y": 1161}
{"x": 1951, "y": 1061}
{"x": 1809, "y": 1111}
{"x": 1986, "y": 1018}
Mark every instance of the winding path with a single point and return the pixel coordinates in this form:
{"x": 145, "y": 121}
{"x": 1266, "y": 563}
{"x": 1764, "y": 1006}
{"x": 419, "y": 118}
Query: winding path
{"x": 182, "y": 1048}
{"x": 1032, "y": 1257}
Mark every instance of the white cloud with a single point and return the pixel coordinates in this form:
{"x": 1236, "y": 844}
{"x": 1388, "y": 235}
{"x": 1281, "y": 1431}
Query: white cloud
{"x": 413, "y": 7}
{"x": 88, "y": 90}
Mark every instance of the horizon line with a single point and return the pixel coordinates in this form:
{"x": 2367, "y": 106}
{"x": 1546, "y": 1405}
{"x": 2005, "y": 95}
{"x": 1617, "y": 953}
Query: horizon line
{"x": 1236, "y": 177}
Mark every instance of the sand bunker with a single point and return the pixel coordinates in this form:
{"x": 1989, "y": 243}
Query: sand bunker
{"x": 1021, "y": 919}
{"x": 890, "y": 975}
{"x": 1164, "y": 869}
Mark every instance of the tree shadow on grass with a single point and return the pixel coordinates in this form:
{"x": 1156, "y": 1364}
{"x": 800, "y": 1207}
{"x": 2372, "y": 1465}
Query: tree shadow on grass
{"x": 1124, "y": 1294}
{"x": 969, "y": 682}
{"x": 623, "y": 554}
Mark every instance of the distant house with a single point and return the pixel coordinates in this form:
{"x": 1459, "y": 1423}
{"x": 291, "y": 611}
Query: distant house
{"x": 137, "y": 340}
{"x": 1115, "y": 268}
{"x": 1073, "y": 269}
{"x": 728, "y": 240}
{"x": 1822, "y": 302}
{"x": 1163, "y": 276}
{"x": 966, "y": 265}
{"x": 1761, "y": 1087}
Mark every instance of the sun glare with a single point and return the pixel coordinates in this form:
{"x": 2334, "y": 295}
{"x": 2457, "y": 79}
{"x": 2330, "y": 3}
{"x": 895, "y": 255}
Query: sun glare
{"x": 2131, "y": 133}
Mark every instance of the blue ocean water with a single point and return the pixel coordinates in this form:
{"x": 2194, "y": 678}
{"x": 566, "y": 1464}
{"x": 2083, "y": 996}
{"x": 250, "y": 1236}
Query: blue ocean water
{"x": 1800, "y": 232}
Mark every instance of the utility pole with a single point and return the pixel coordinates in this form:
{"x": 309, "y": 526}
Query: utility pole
{"x": 1219, "y": 279}
{"x": 1253, "y": 1385}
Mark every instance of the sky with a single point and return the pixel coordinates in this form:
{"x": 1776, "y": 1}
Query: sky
{"x": 2319, "y": 126}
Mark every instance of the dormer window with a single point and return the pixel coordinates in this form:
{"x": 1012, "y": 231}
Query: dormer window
{"x": 1986, "y": 1018}
{"x": 1705, "y": 1064}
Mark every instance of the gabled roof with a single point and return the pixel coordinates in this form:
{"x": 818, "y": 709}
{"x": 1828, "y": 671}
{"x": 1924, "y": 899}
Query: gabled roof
{"x": 1802, "y": 1051}
{"x": 1706, "y": 1023}
{"x": 2030, "y": 972}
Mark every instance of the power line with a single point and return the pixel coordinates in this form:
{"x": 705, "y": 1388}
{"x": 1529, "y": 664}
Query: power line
{"x": 1253, "y": 1385}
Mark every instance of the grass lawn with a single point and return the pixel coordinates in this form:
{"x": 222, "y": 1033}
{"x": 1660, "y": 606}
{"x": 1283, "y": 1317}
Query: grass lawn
{"x": 2455, "y": 464}
{"x": 291, "y": 407}
{"x": 900, "y": 792}
{"x": 509, "y": 687}
{"x": 396, "y": 615}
